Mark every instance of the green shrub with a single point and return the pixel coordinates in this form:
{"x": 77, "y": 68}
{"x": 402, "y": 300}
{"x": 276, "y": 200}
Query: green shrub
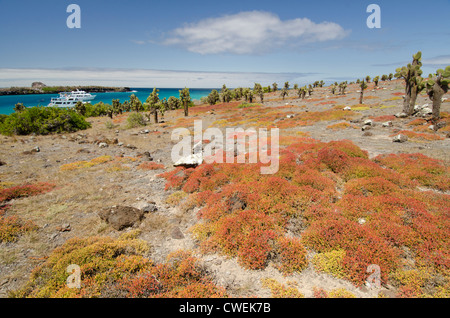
{"x": 246, "y": 105}
{"x": 135, "y": 120}
{"x": 109, "y": 125}
{"x": 99, "y": 109}
{"x": 42, "y": 121}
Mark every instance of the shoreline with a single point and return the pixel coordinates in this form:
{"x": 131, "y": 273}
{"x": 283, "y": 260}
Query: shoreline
{"x": 7, "y": 102}
{"x": 58, "y": 89}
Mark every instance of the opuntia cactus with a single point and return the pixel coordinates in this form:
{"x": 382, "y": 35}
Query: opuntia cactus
{"x": 413, "y": 80}
{"x": 174, "y": 103}
{"x": 259, "y": 91}
{"x": 437, "y": 86}
{"x": 225, "y": 94}
{"x": 126, "y": 106}
{"x": 117, "y": 106}
{"x": 185, "y": 98}
{"x": 135, "y": 103}
{"x": 363, "y": 86}
{"x": 213, "y": 97}
{"x": 152, "y": 103}
{"x": 284, "y": 92}
{"x": 238, "y": 93}
{"x": 302, "y": 92}
{"x": 342, "y": 88}
{"x": 275, "y": 87}
{"x": 376, "y": 79}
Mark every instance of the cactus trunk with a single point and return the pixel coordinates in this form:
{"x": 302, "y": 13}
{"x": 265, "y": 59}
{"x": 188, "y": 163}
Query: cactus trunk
{"x": 436, "y": 98}
{"x": 412, "y": 103}
{"x": 407, "y": 109}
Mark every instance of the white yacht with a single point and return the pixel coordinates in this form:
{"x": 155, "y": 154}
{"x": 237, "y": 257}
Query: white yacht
{"x": 64, "y": 101}
{"x": 67, "y": 99}
{"x": 82, "y": 95}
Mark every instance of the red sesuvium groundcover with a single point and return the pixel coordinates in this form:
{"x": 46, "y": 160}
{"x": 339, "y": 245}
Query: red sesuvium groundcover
{"x": 337, "y": 198}
{"x": 12, "y": 226}
{"x": 24, "y": 191}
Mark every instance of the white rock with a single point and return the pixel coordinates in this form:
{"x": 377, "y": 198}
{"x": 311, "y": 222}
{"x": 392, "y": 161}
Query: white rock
{"x": 191, "y": 160}
{"x": 426, "y": 111}
{"x": 387, "y": 124}
{"x": 400, "y": 138}
{"x": 368, "y": 122}
{"x": 146, "y": 206}
{"x": 401, "y": 115}
{"x": 347, "y": 108}
{"x": 102, "y": 145}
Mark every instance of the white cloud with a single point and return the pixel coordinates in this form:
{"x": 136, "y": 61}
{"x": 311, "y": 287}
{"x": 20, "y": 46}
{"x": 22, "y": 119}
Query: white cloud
{"x": 143, "y": 78}
{"x": 251, "y": 32}
{"x": 139, "y": 42}
{"x": 437, "y": 61}
{"x": 441, "y": 60}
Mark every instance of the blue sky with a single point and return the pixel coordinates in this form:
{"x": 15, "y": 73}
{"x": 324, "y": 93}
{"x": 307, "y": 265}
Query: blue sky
{"x": 209, "y": 43}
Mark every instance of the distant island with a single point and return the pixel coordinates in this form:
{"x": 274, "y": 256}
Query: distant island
{"x": 41, "y": 88}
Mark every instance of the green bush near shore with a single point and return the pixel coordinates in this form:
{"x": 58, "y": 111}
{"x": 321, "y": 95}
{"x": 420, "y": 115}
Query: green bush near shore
{"x": 42, "y": 121}
{"x": 96, "y": 110}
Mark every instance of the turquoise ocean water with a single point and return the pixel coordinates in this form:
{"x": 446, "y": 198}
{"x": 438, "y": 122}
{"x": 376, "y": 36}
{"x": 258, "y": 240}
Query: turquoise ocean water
{"x": 7, "y": 102}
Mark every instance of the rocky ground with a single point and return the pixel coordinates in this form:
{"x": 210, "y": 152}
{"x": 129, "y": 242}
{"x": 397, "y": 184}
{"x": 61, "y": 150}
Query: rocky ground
{"x": 78, "y": 206}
